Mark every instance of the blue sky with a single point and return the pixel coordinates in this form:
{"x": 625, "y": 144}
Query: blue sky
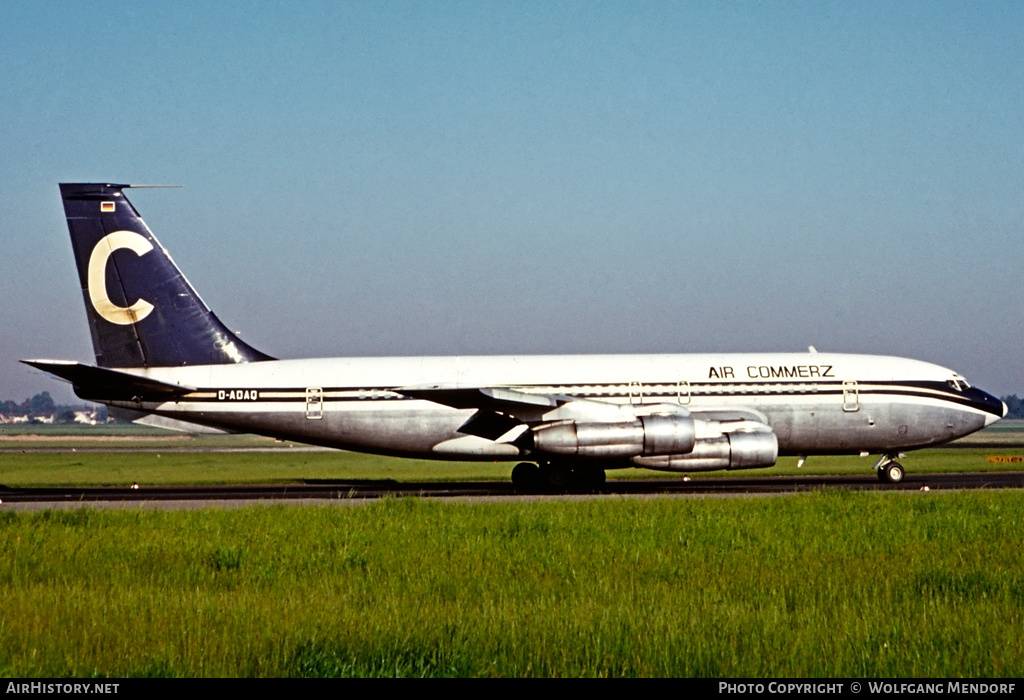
{"x": 379, "y": 178}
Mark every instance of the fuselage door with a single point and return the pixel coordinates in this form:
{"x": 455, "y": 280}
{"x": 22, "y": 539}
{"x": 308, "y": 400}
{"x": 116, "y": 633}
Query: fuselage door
{"x": 684, "y": 392}
{"x": 851, "y": 397}
{"x": 636, "y": 393}
{"x": 314, "y": 403}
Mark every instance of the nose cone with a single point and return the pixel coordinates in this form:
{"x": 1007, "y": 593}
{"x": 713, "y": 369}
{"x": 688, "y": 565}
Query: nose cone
{"x": 993, "y": 408}
{"x": 990, "y": 419}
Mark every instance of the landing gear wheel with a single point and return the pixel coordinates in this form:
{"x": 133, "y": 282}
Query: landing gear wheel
{"x": 556, "y": 478}
{"x": 891, "y": 473}
{"x": 526, "y": 478}
{"x": 591, "y": 480}
{"x": 559, "y": 477}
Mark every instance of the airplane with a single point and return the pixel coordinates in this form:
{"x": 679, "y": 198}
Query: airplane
{"x": 163, "y": 356}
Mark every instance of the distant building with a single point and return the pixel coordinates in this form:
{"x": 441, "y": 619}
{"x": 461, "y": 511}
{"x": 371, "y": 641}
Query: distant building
{"x": 86, "y": 417}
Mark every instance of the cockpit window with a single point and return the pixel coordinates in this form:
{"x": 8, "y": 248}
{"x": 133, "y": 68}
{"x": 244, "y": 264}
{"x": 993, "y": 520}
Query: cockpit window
{"x": 958, "y": 383}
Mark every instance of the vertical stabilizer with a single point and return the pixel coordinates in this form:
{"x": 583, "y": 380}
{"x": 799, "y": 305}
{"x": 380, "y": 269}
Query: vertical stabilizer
{"x": 142, "y": 311}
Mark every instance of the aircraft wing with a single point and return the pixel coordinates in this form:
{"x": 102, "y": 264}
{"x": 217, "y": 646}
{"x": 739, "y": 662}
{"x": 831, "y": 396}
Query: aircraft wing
{"x": 500, "y": 400}
{"x": 499, "y": 410}
{"x": 98, "y": 383}
{"x": 506, "y": 415}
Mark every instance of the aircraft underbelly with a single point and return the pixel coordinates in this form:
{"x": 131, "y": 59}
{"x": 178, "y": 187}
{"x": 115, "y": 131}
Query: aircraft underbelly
{"x": 880, "y": 427}
{"x": 419, "y": 433}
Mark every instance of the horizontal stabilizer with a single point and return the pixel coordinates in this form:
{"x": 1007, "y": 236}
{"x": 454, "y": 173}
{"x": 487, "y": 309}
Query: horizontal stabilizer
{"x": 100, "y": 384}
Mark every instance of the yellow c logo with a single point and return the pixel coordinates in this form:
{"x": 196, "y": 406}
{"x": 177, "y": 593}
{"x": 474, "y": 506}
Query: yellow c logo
{"x": 120, "y": 315}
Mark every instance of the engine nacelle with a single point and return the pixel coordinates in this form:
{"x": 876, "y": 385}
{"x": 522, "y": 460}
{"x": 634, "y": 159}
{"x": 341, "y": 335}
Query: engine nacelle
{"x": 646, "y": 435}
{"x": 739, "y": 450}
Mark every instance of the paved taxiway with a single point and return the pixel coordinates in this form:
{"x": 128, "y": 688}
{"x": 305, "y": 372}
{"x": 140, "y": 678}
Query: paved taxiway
{"x": 355, "y": 491}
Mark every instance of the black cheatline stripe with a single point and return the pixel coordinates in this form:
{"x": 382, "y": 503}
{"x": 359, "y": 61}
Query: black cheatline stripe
{"x": 920, "y": 389}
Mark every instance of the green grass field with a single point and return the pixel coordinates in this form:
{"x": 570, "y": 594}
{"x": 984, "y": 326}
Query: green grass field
{"x": 827, "y": 584}
{"x": 842, "y": 584}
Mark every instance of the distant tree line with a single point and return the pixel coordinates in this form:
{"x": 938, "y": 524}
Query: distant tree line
{"x": 1015, "y": 405}
{"x": 42, "y": 404}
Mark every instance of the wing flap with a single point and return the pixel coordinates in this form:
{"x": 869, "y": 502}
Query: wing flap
{"x": 490, "y": 425}
{"x": 520, "y": 405}
{"x": 487, "y": 398}
{"x": 500, "y": 411}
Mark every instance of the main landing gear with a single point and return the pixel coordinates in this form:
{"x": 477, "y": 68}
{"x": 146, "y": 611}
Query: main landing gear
{"x": 889, "y": 471}
{"x": 546, "y": 477}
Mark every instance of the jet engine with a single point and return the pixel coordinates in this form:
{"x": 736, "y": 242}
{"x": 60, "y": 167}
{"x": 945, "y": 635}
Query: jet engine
{"x": 665, "y": 442}
{"x": 736, "y": 450}
{"x": 646, "y": 435}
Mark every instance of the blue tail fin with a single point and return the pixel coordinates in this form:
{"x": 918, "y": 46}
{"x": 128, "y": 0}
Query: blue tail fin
{"x": 142, "y": 311}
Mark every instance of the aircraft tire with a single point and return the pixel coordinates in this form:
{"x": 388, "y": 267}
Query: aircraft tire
{"x": 526, "y": 478}
{"x": 590, "y": 480}
{"x": 559, "y": 477}
{"x": 891, "y": 473}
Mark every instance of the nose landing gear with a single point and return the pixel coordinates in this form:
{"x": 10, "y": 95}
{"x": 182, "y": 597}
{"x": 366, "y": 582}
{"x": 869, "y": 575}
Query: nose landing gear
{"x": 889, "y": 471}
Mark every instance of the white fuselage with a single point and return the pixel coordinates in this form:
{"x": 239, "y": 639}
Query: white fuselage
{"x": 815, "y": 403}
